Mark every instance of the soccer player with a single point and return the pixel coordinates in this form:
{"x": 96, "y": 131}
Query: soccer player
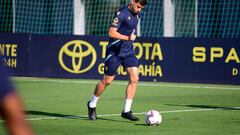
{"x": 11, "y": 109}
{"x": 120, "y": 50}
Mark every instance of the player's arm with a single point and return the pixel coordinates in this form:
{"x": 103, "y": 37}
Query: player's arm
{"x": 11, "y": 108}
{"x": 116, "y": 23}
{"x": 12, "y": 112}
{"x": 113, "y": 33}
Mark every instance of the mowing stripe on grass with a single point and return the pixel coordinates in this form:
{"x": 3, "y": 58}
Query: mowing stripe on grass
{"x": 141, "y": 113}
{"x": 178, "y": 85}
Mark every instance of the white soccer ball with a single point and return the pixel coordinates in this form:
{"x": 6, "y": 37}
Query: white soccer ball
{"x": 153, "y": 118}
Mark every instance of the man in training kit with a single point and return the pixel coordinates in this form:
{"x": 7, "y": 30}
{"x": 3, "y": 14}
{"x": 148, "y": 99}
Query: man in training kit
{"x": 120, "y": 50}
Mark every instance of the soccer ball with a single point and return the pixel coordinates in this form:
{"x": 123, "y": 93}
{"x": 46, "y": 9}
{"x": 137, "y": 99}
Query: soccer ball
{"x": 153, "y": 118}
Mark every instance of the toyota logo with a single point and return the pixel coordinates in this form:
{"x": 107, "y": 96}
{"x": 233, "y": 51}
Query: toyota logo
{"x": 74, "y": 50}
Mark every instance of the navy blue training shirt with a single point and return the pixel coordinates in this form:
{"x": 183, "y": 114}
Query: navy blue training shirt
{"x": 126, "y": 23}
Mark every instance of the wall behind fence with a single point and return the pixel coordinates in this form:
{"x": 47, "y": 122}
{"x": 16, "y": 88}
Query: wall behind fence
{"x": 196, "y": 60}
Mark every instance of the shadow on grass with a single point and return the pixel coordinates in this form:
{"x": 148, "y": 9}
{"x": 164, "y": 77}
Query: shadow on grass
{"x": 57, "y": 115}
{"x": 207, "y": 107}
{"x": 66, "y": 116}
{"x": 141, "y": 124}
{"x": 114, "y": 120}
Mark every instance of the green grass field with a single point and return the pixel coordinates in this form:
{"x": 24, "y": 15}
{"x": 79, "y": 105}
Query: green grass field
{"x": 58, "y": 107}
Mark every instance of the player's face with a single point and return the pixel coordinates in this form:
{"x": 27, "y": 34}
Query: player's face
{"x": 136, "y": 7}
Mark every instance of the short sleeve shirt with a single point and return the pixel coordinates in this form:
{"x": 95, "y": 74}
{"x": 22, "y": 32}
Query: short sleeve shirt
{"x": 126, "y": 23}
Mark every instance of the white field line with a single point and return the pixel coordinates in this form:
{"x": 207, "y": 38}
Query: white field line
{"x": 125, "y": 83}
{"x": 110, "y": 115}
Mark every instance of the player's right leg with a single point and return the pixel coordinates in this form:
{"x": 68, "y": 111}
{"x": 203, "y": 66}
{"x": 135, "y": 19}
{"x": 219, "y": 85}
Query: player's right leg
{"x": 100, "y": 87}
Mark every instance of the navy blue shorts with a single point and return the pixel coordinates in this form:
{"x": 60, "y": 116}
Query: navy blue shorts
{"x": 113, "y": 62}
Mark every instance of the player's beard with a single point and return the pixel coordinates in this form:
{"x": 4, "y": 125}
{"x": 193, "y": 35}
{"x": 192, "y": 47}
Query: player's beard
{"x": 132, "y": 9}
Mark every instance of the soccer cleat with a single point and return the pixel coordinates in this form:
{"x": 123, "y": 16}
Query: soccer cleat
{"x": 129, "y": 116}
{"x": 92, "y": 115}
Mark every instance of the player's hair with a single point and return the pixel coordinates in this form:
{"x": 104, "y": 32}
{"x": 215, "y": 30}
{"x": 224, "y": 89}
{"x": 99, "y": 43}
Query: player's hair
{"x": 141, "y": 2}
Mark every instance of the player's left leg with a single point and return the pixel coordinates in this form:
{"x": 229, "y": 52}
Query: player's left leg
{"x": 131, "y": 66}
{"x": 133, "y": 81}
{"x": 130, "y": 93}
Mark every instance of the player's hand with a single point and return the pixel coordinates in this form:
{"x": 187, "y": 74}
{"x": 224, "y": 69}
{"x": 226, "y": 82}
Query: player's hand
{"x": 132, "y": 37}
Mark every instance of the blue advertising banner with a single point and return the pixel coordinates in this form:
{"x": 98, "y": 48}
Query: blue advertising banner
{"x": 14, "y": 50}
{"x": 201, "y": 60}
{"x": 65, "y": 56}
{"x": 160, "y": 59}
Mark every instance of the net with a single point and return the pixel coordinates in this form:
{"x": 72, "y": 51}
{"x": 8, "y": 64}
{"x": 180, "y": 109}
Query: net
{"x": 207, "y": 18}
{"x": 152, "y": 20}
{"x": 220, "y": 18}
{"x": 185, "y": 18}
{"x": 44, "y": 16}
{"x": 6, "y": 17}
{"x": 191, "y": 18}
{"x": 99, "y": 15}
